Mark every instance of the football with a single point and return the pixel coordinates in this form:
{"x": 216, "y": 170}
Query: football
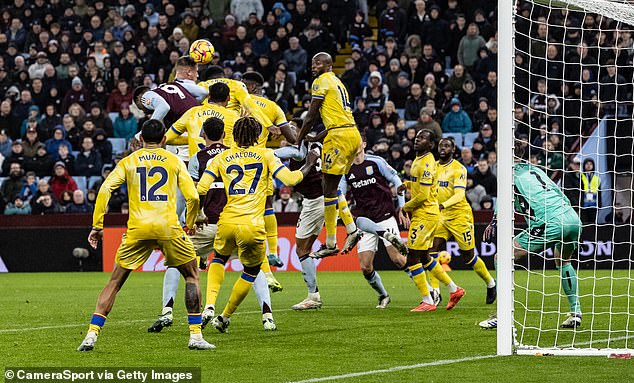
{"x": 202, "y": 51}
{"x": 444, "y": 257}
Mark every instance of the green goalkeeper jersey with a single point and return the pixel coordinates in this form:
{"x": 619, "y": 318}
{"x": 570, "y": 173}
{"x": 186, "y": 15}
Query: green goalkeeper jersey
{"x": 538, "y": 198}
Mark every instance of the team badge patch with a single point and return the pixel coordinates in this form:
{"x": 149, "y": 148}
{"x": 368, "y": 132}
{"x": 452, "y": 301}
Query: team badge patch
{"x": 369, "y": 170}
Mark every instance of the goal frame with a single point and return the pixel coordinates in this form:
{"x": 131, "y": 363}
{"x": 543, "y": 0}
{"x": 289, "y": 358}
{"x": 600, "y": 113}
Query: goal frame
{"x": 506, "y": 341}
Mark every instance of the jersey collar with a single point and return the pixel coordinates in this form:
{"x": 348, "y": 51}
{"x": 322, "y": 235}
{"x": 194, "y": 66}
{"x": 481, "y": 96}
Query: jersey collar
{"x": 448, "y": 163}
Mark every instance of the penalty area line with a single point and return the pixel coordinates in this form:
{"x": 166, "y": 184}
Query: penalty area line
{"x": 394, "y": 369}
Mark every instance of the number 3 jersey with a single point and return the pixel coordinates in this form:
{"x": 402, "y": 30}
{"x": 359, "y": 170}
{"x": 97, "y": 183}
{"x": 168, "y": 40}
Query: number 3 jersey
{"x": 152, "y": 177}
{"x": 245, "y": 173}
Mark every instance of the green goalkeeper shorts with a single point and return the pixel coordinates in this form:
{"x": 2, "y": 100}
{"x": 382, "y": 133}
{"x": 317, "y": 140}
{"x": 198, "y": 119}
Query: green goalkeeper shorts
{"x": 562, "y": 233}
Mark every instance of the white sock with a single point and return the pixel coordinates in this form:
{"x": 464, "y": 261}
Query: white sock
{"x": 167, "y": 311}
{"x": 314, "y": 296}
{"x": 196, "y": 336}
{"x": 170, "y": 285}
{"x": 375, "y": 281}
{"x": 261, "y": 288}
{"x": 267, "y": 316}
{"x": 452, "y": 287}
{"x": 427, "y": 299}
{"x": 309, "y": 271}
{"x": 331, "y": 240}
{"x": 491, "y": 283}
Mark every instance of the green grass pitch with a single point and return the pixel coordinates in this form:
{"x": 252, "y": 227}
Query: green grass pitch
{"x": 43, "y": 318}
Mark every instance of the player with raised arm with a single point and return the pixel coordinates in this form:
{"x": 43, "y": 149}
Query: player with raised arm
{"x": 311, "y": 218}
{"x": 456, "y": 217}
{"x": 167, "y": 103}
{"x": 369, "y": 182}
{"x": 241, "y": 224}
{"x": 152, "y": 176}
{"x": 552, "y": 223}
{"x": 207, "y": 224}
{"x": 423, "y": 206}
{"x": 330, "y": 99}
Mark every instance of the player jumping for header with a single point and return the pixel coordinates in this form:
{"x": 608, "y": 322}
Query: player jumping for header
{"x": 330, "y": 99}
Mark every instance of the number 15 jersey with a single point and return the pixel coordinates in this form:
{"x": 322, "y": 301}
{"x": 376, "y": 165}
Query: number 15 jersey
{"x": 152, "y": 177}
{"x": 245, "y": 174}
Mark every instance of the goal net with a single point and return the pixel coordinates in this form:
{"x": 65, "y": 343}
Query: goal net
{"x": 572, "y": 70}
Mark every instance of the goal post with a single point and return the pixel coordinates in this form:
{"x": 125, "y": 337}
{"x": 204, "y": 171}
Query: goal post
{"x": 566, "y": 91}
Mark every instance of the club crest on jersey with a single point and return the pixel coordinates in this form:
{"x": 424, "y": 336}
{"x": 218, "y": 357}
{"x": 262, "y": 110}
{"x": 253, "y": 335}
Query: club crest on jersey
{"x": 369, "y": 170}
{"x": 315, "y": 87}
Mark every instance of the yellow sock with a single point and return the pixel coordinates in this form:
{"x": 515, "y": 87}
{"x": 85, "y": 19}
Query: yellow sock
{"x": 215, "y": 277}
{"x": 433, "y": 281}
{"x": 418, "y": 276}
{"x": 94, "y": 328}
{"x": 270, "y": 225}
{"x": 96, "y": 323}
{"x": 266, "y": 267}
{"x": 480, "y": 268}
{"x": 240, "y": 290}
{"x": 344, "y": 213}
{"x": 330, "y": 218}
{"x": 195, "y": 321}
{"x": 437, "y": 271}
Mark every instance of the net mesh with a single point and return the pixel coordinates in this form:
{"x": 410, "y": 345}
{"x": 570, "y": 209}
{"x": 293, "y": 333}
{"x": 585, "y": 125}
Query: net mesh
{"x": 573, "y": 78}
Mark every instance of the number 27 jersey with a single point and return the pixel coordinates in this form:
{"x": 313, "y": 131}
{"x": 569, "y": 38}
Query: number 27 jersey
{"x": 245, "y": 174}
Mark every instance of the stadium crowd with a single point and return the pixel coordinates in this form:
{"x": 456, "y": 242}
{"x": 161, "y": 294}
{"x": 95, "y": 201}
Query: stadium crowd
{"x": 68, "y": 70}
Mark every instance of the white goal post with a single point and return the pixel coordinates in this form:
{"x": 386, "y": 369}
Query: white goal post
{"x": 566, "y": 89}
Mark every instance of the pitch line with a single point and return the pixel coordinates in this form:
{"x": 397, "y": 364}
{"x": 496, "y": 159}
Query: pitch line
{"x": 10, "y": 330}
{"x": 394, "y": 369}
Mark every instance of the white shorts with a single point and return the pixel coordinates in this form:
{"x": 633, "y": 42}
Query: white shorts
{"x": 311, "y": 218}
{"x": 181, "y": 151}
{"x": 204, "y": 240}
{"x": 370, "y": 242}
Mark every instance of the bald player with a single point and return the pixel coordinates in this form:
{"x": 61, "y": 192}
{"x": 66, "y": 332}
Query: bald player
{"x": 330, "y": 100}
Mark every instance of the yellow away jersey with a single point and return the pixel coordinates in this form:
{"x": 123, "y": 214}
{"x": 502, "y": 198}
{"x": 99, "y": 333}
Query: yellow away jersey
{"x": 336, "y": 110}
{"x": 238, "y": 97}
{"x": 245, "y": 174}
{"x": 424, "y": 175}
{"x": 152, "y": 177}
{"x": 273, "y": 112}
{"x": 192, "y": 122}
{"x": 452, "y": 176}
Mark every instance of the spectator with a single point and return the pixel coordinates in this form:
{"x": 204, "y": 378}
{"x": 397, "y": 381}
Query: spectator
{"x": 376, "y": 100}
{"x": 361, "y": 114}
{"x": 103, "y": 146}
{"x": 457, "y": 120}
{"x": 427, "y": 122}
{"x": 64, "y": 155}
{"x": 466, "y": 159}
{"x": 119, "y": 96}
{"x": 417, "y": 19}
{"x": 415, "y": 102}
{"x": 79, "y": 204}
{"x": 359, "y": 29}
{"x": 61, "y": 181}
{"x": 77, "y": 94}
{"x": 17, "y": 207}
{"x": 59, "y": 138}
{"x": 296, "y": 57}
{"x": 36, "y": 70}
{"x": 88, "y": 162}
{"x": 486, "y": 203}
{"x": 480, "y": 115}
{"x": 5, "y": 144}
{"x": 45, "y": 204}
{"x": 468, "y": 97}
{"x": 12, "y": 185}
{"x": 396, "y": 159}
{"x": 389, "y": 114}
{"x": 41, "y": 164}
{"x": 591, "y": 189}
{"x": 475, "y": 193}
{"x": 458, "y": 78}
{"x": 487, "y": 138}
{"x": 31, "y": 143}
{"x": 490, "y": 88}
{"x": 100, "y": 119}
{"x": 241, "y": 9}
{"x": 571, "y": 181}
{"x": 399, "y": 94}
{"x": 50, "y": 120}
{"x": 375, "y": 130}
{"x": 351, "y": 78}
{"x": 8, "y": 121}
{"x": 281, "y": 14}
{"x": 393, "y": 21}
{"x": 16, "y": 157}
{"x": 436, "y": 31}
{"x": 492, "y": 159}
{"x": 483, "y": 176}
{"x": 125, "y": 125}
{"x": 469, "y": 46}
{"x": 281, "y": 90}
{"x": 285, "y": 204}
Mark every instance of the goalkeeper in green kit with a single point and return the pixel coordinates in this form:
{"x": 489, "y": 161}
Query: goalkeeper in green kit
{"x": 552, "y": 222}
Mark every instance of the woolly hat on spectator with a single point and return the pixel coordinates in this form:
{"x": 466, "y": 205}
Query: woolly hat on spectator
{"x": 396, "y": 148}
{"x": 356, "y": 49}
{"x": 177, "y": 30}
{"x": 230, "y": 17}
{"x": 76, "y": 81}
{"x": 403, "y": 74}
{"x": 59, "y": 163}
{"x": 41, "y": 55}
{"x": 285, "y": 190}
{"x": 429, "y": 76}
